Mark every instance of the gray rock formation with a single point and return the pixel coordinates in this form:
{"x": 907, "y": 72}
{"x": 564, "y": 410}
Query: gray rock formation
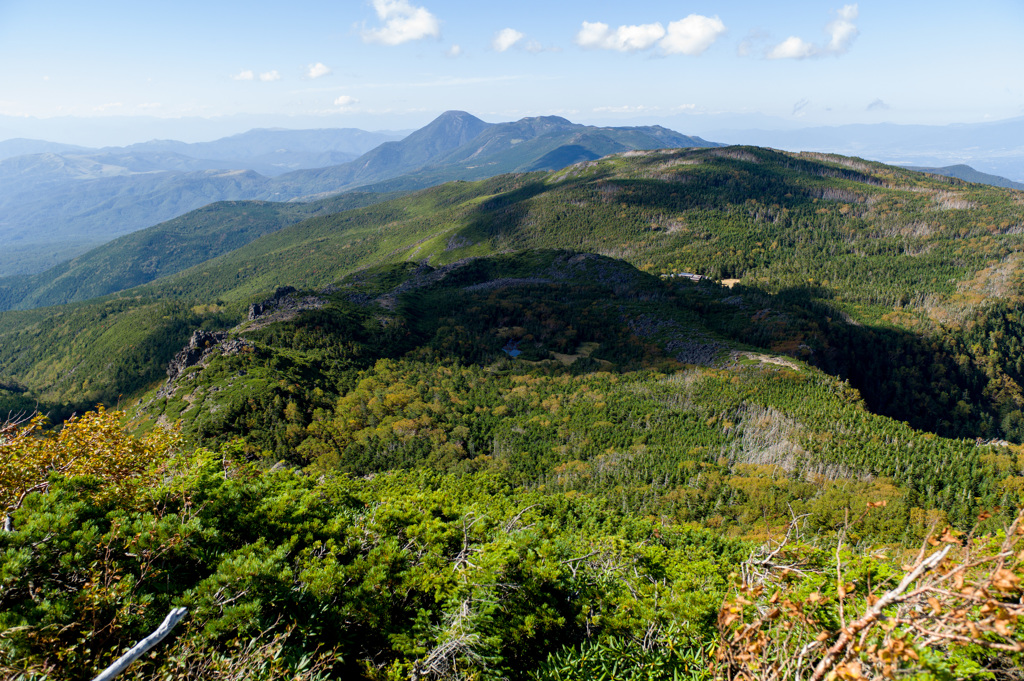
{"x": 199, "y": 344}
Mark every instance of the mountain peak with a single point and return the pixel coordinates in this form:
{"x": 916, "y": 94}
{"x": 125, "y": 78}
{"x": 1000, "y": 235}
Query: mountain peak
{"x": 549, "y": 120}
{"x": 448, "y": 131}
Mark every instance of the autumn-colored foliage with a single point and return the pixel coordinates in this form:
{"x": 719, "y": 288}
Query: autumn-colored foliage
{"x": 94, "y": 444}
{"x": 955, "y": 609}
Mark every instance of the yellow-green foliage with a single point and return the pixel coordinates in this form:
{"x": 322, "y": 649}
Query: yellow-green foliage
{"x": 94, "y": 444}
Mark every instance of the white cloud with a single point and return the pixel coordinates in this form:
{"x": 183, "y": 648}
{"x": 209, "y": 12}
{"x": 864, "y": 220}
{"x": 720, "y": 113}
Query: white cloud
{"x": 639, "y": 108}
{"x": 841, "y": 33}
{"x": 454, "y": 51}
{"x": 402, "y": 23}
{"x": 270, "y": 76}
{"x": 244, "y": 75}
{"x": 506, "y": 38}
{"x": 317, "y": 70}
{"x": 877, "y": 105}
{"x": 793, "y": 48}
{"x": 345, "y": 102}
{"x": 843, "y": 30}
{"x": 691, "y": 35}
{"x": 624, "y": 38}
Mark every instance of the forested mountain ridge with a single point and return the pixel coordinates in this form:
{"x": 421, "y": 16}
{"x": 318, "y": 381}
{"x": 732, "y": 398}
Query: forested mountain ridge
{"x": 434, "y": 437}
{"x": 355, "y": 377}
{"x": 79, "y": 201}
{"x": 165, "y": 249}
{"x": 822, "y": 242}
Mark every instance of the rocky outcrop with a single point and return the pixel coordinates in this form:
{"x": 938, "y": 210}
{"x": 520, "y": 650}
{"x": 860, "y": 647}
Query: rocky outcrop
{"x": 199, "y": 344}
{"x": 201, "y": 347}
{"x": 257, "y": 310}
{"x": 282, "y": 306}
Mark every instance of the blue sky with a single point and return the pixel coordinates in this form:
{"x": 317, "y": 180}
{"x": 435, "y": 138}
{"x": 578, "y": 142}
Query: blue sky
{"x": 396, "y": 64}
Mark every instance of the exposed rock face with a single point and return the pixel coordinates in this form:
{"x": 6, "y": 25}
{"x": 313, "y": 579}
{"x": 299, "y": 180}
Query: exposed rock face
{"x": 200, "y": 347}
{"x": 257, "y": 310}
{"x": 284, "y": 305}
{"x": 199, "y": 344}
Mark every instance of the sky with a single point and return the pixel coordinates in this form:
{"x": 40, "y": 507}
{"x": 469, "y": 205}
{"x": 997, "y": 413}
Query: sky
{"x": 136, "y": 69}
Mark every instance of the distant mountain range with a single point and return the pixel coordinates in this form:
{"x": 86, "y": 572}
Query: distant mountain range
{"x": 996, "y": 147}
{"x": 59, "y": 201}
{"x": 969, "y": 174}
{"x": 267, "y": 151}
{"x": 164, "y": 249}
{"x": 459, "y": 146}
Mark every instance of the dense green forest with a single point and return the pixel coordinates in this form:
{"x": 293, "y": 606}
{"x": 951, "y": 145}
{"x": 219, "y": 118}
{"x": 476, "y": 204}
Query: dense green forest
{"x": 482, "y": 431}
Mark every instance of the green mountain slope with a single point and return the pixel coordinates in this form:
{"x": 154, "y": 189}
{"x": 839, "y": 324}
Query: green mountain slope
{"x": 452, "y": 431}
{"x": 55, "y": 207}
{"x": 873, "y": 237}
{"x": 572, "y": 371}
{"x": 164, "y": 249}
{"x": 904, "y": 284}
{"x": 405, "y": 479}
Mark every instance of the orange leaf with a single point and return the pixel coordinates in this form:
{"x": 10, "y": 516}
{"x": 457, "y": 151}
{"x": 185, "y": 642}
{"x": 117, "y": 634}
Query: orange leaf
{"x": 1005, "y": 581}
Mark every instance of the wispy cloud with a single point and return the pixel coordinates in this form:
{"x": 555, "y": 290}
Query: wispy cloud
{"x": 506, "y": 38}
{"x": 318, "y": 70}
{"x": 798, "y": 108}
{"x": 841, "y": 31}
{"x": 794, "y": 48}
{"x": 454, "y": 51}
{"x": 270, "y": 76}
{"x": 691, "y": 35}
{"x": 751, "y": 43}
{"x": 244, "y": 75}
{"x": 448, "y": 82}
{"x": 403, "y": 23}
{"x": 638, "y": 108}
{"x": 877, "y": 105}
{"x": 345, "y": 102}
{"x": 435, "y": 83}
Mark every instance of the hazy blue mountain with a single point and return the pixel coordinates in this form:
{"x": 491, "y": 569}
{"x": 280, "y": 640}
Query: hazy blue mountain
{"x": 447, "y": 132}
{"x": 59, "y": 200}
{"x": 458, "y": 146}
{"x": 274, "y": 151}
{"x": 164, "y": 249}
{"x": 996, "y": 147}
{"x": 61, "y": 220}
{"x": 551, "y": 143}
{"x": 54, "y": 207}
{"x": 21, "y": 147}
{"x": 969, "y": 174}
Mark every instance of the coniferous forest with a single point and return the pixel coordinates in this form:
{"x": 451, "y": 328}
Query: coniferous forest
{"x": 725, "y": 413}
